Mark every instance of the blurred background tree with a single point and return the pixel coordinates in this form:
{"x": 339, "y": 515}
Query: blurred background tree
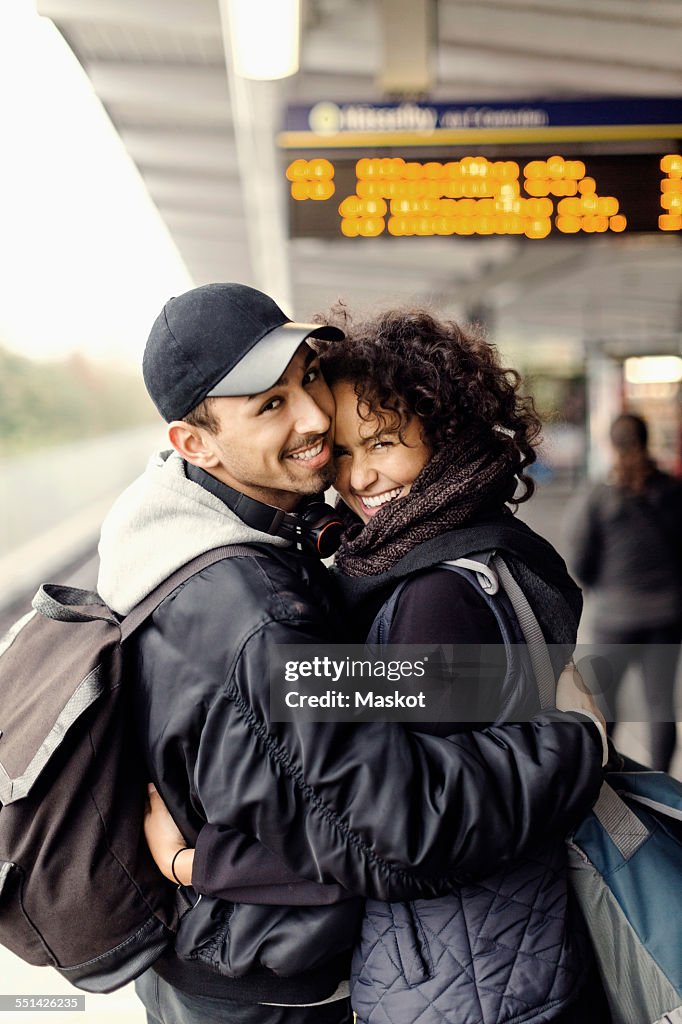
{"x": 49, "y": 403}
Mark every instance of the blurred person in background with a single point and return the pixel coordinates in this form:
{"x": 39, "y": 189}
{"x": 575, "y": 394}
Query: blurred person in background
{"x": 625, "y": 545}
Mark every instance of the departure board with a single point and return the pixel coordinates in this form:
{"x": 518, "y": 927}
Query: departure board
{"x": 528, "y": 171}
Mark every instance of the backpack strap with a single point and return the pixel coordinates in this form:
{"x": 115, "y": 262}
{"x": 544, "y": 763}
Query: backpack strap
{"x": 625, "y": 830}
{"x": 151, "y": 602}
{"x": 532, "y": 633}
{"x": 491, "y": 577}
{"x": 492, "y": 574}
{"x": 486, "y": 576}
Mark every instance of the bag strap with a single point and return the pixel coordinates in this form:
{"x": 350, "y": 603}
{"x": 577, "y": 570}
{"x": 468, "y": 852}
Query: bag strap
{"x": 487, "y": 578}
{"x": 499, "y": 576}
{"x": 532, "y": 633}
{"x": 625, "y": 830}
{"x": 538, "y": 651}
{"x": 151, "y": 602}
{"x": 541, "y": 662}
{"x": 71, "y": 604}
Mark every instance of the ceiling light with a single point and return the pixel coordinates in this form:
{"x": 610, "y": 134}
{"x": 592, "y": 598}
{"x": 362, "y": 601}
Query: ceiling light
{"x": 653, "y": 369}
{"x": 264, "y": 36}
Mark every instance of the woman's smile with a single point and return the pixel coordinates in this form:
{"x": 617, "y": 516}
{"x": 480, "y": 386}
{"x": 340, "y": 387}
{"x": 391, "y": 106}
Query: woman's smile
{"x": 372, "y": 503}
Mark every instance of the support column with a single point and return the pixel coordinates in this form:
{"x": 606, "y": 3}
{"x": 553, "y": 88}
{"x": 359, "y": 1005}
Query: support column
{"x": 255, "y": 116}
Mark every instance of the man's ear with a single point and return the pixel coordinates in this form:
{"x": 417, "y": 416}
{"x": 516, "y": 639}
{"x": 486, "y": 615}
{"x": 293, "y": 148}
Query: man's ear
{"x": 193, "y": 444}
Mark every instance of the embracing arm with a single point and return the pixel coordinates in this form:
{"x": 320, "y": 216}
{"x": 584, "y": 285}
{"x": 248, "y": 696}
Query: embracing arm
{"x": 380, "y": 810}
{"x": 228, "y": 865}
{"x": 235, "y": 867}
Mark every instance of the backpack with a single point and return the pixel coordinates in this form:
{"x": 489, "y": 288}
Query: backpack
{"x": 79, "y": 890}
{"x": 625, "y": 864}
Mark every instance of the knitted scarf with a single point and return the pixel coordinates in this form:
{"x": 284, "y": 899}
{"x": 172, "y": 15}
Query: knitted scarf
{"x": 458, "y": 482}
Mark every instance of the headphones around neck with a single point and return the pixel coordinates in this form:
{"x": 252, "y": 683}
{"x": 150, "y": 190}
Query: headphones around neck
{"x": 315, "y": 530}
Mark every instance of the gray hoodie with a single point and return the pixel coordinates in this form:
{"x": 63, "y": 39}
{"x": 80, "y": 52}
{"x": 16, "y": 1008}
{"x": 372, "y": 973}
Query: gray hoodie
{"x": 159, "y": 523}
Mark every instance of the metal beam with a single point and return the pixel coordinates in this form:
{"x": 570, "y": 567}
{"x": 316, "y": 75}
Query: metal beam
{"x": 199, "y": 150}
{"x": 198, "y": 17}
{"x": 199, "y": 247}
{"x": 132, "y": 114}
{"x": 226, "y": 225}
{"x": 560, "y": 32}
{"x": 325, "y": 53}
{"x": 627, "y": 10}
{"x": 464, "y": 70}
{"x": 171, "y": 88}
{"x": 308, "y": 87}
{"x": 345, "y": 41}
{"x": 215, "y": 260}
{"x": 191, "y": 192}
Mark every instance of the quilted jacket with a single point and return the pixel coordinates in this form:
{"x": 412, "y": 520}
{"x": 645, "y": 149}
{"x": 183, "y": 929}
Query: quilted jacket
{"x": 509, "y": 949}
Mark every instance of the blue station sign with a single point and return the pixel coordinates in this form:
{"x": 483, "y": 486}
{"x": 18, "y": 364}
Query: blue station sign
{"x": 334, "y": 124}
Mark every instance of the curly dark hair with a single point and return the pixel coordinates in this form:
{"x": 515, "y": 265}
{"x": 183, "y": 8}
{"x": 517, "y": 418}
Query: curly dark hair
{"x": 406, "y": 362}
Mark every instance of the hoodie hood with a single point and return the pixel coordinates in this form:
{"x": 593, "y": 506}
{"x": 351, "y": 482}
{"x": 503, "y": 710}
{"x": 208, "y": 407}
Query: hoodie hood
{"x": 158, "y": 524}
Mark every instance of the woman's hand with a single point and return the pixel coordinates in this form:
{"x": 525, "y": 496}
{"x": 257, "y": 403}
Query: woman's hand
{"x": 573, "y": 695}
{"x": 165, "y": 840}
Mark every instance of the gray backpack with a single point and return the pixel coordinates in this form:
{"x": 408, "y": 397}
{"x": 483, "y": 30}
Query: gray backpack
{"x": 78, "y": 888}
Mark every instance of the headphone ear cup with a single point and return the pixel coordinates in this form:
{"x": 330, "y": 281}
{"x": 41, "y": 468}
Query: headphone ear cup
{"x": 316, "y": 511}
{"x": 328, "y": 538}
{"x": 323, "y": 529}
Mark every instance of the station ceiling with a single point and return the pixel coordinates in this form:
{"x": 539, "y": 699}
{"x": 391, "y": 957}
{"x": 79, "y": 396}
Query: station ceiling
{"x": 202, "y": 141}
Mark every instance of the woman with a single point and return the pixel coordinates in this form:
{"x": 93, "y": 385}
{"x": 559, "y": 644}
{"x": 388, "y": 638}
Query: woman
{"x": 432, "y": 440}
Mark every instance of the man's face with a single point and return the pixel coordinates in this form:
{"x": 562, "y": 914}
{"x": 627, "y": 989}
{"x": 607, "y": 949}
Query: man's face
{"x": 276, "y": 446}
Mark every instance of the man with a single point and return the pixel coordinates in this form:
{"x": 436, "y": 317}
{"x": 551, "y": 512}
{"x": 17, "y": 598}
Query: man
{"x": 626, "y": 545}
{"x": 250, "y": 420}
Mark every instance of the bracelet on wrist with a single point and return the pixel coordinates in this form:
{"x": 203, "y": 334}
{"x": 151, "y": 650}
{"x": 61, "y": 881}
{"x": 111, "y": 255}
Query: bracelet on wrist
{"x": 175, "y": 857}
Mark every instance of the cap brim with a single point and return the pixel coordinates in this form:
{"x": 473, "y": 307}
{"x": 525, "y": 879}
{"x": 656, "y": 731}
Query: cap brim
{"x": 262, "y": 367}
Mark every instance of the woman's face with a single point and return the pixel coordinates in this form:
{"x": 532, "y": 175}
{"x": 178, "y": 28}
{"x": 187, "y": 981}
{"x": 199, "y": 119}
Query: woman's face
{"x": 373, "y": 466}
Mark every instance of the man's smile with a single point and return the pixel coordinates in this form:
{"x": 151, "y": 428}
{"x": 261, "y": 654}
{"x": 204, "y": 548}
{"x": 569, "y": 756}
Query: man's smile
{"x": 314, "y": 456}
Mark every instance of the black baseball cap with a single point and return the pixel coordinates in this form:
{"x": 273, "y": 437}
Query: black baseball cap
{"x": 219, "y": 340}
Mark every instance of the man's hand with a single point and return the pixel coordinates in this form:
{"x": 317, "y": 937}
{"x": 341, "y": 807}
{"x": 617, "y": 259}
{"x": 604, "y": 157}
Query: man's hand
{"x": 165, "y": 840}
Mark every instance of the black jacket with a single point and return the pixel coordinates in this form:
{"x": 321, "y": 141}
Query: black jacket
{"x": 363, "y": 806}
